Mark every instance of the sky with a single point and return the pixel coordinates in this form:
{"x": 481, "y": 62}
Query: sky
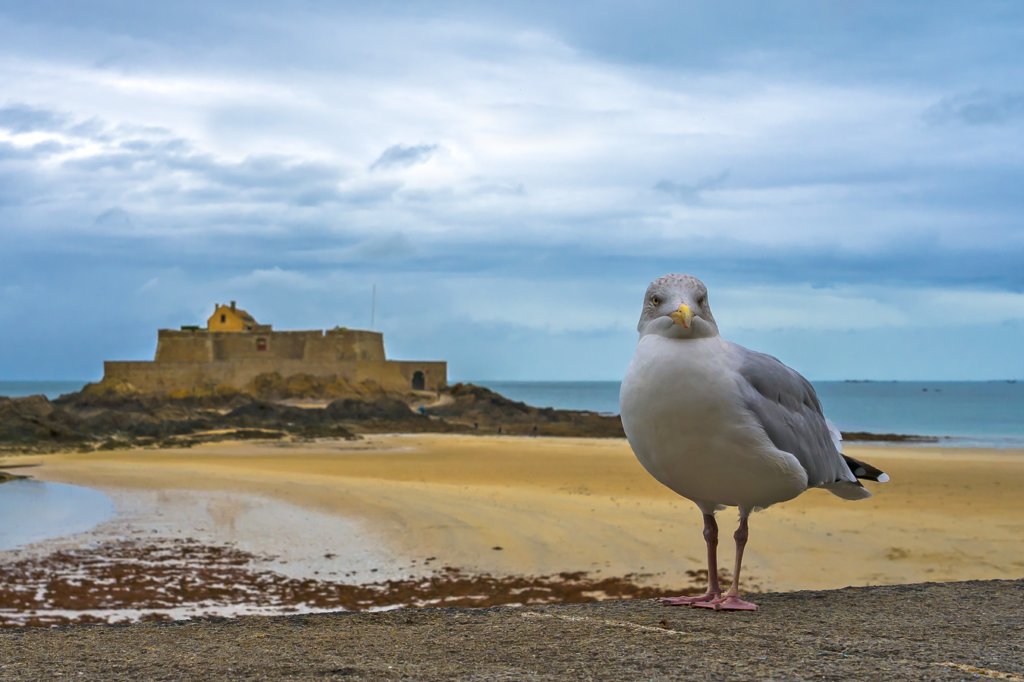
{"x": 846, "y": 177}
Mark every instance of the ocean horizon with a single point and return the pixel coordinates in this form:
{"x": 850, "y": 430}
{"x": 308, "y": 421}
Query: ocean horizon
{"x": 963, "y": 413}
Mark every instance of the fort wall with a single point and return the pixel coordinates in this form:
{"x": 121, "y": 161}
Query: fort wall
{"x": 435, "y": 374}
{"x": 191, "y": 359}
{"x": 154, "y": 377}
{"x": 333, "y": 345}
{"x": 183, "y": 346}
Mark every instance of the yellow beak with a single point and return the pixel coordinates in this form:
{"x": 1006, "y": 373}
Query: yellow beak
{"x": 682, "y": 316}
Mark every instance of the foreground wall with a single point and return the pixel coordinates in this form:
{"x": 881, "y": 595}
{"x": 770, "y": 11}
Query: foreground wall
{"x": 163, "y": 377}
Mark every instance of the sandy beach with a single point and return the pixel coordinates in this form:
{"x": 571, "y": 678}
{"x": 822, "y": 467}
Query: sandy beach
{"x": 405, "y": 504}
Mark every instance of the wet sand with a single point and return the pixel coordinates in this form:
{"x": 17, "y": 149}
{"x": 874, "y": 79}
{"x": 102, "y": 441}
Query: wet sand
{"x": 540, "y": 506}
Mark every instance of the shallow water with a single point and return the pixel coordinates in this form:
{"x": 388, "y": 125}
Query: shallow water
{"x": 31, "y": 511}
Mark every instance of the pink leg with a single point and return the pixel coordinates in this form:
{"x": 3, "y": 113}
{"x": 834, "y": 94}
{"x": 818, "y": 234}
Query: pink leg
{"x": 731, "y": 601}
{"x": 714, "y": 591}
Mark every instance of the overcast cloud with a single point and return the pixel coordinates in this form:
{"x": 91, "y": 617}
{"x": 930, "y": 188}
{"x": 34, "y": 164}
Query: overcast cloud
{"x": 845, "y": 176}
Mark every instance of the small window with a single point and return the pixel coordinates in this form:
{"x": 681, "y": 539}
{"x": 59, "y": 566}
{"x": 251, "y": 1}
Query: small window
{"x": 261, "y": 344}
{"x": 223, "y": 318}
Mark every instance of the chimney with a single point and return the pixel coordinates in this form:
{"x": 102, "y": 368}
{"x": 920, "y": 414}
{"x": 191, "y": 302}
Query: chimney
{"x": 215, "y": 306}
{"x": 232, "y": 306}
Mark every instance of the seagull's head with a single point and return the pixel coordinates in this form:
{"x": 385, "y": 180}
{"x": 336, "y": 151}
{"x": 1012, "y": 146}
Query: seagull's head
{"x": 676, "y": 306}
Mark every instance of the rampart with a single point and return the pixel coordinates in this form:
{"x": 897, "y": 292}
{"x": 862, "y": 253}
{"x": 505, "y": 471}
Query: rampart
{"x": 333, "y": 345}
{"x": 198, "y": 359}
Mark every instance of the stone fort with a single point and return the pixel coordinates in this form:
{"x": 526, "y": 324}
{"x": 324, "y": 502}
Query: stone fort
{"x": 234, "y": 349}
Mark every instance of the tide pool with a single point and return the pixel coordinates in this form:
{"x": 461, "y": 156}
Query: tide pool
{"x": 31, "y": 511}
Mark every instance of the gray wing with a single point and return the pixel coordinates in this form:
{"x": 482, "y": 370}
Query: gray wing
{"x": 787, "y": 408}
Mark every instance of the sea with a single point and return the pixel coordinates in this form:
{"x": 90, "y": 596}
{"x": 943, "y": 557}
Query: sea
{"x": 51, "y": 389}
{"x": 962, "y": 413}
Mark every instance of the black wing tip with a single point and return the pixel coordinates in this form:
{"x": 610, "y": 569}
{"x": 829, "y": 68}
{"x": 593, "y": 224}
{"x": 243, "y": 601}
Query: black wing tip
{"x": 865, "y": 471}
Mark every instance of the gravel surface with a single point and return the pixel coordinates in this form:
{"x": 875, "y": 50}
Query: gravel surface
{"x": 936, "y": 631}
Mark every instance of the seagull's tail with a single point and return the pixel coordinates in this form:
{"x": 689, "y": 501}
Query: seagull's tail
{"x": 848, "y": 490}
{"x": 864, "y": 470}
{"x": 852, "y": 489}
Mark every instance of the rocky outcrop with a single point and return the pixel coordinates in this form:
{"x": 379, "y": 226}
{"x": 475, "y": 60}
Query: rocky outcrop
{"x": 267, "y": 386}
{"x": 483, "y": 409}
{"x": 36, "y": 419}
{"x": 115, "y": 415}
{"x": 89, "y": 421}
{"x": 273, "y": 386}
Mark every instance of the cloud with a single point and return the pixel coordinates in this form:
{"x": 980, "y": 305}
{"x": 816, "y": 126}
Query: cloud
{"x": 846, "y": 308}
{"x": 693, "y": 192}
{"x": 147, "y": 171}
{"x": 115, "y": 220}
{"x": 556, "y": 306}
{"x": 274, "y": 277}
{"x": 556, "y": 167}
{"x": 400, "y": 156}
{"x": 149, "y": 285}
{"x": 978, "y": 108}
{"x": 12, "y": 152}
{"x": 22, "y": 118}
{"x": 498, "y": 187}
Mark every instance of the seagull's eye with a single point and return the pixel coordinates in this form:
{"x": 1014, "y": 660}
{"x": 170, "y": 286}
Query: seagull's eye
{"x": 655, "y": 300}
{"x": 702, "y": 300}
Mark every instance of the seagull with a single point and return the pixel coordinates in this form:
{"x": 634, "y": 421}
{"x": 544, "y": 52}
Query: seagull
{"x": 725, "y": 426}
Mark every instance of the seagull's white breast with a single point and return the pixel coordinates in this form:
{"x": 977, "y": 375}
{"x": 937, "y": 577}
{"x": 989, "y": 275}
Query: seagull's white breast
{"x": 684, "y": 418}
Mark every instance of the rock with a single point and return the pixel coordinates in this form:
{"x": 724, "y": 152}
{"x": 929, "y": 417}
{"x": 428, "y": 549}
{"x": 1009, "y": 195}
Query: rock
{"x": 273, "y": 386}
{"x": 383, "y": 408}
{"x": 32, "y": 419}
{"x": 484, "y": 408}
{"x": 115, "y": 416}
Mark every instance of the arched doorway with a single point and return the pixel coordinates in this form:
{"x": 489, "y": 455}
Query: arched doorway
{"x": 419, "y": 382}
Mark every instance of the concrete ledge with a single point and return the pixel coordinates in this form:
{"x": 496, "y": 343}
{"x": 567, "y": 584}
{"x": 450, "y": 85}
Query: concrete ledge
{"x": 936, "y": 631}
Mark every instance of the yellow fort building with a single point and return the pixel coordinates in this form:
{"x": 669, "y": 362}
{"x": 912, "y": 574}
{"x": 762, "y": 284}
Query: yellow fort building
{"x": 229, "y": 318}
{"x": 235, "y": 351}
